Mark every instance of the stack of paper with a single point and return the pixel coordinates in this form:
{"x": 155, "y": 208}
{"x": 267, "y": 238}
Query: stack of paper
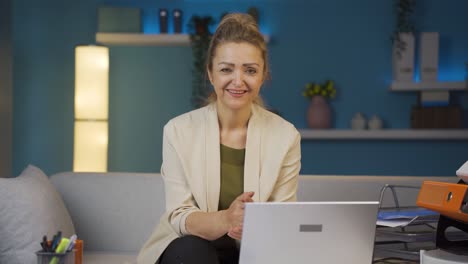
{"x": 404, "y": 217}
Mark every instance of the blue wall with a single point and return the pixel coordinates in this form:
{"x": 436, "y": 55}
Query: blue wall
{"x": 347, "y": 41}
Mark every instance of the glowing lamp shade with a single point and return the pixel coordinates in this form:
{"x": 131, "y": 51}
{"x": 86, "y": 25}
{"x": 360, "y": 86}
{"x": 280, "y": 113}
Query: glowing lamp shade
{"x": 91, "y": 109}
{"x": 90, "y": 152}
{"x": 91, "y": 82}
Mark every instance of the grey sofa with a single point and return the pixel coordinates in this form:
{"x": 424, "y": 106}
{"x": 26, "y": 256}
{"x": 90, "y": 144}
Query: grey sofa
{"x": 114, "y": 213}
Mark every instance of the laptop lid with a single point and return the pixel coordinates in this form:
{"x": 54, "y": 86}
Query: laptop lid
{"x": 309, "y": 232}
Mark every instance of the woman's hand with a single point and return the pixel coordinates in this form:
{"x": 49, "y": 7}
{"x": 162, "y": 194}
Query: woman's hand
{"x": 235, "y": 214}
{"x": 236, "y": 232}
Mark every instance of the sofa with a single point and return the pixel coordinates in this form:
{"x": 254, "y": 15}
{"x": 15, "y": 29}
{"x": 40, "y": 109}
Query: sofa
{"x": 114, "y": 213}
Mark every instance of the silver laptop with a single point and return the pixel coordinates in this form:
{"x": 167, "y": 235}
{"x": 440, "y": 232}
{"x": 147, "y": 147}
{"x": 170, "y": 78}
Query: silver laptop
{"x": 309, "y": 232}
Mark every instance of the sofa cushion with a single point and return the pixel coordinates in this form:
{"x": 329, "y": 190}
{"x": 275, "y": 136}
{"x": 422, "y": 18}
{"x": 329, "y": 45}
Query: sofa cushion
{"x": 30, "y": 208}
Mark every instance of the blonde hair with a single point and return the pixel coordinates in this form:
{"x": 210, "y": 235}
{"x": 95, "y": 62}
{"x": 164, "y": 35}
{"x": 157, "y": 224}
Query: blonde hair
{"x": 238, "y": 28}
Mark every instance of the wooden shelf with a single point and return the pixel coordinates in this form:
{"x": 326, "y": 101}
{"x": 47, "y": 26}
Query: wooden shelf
{"x": 384, "y": 134}
{"x": 140, "y": 39}
{"x": 428, "y": 86}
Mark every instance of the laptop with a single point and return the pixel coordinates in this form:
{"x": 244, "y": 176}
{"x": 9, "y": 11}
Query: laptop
{"x": 309, "y": 232}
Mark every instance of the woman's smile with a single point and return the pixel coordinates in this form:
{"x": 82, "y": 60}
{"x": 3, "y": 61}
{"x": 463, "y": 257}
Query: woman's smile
{"x": 236, "y": 93}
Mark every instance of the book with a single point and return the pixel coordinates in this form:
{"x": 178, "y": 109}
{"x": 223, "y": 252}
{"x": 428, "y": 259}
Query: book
{"x": 435, "y": 98}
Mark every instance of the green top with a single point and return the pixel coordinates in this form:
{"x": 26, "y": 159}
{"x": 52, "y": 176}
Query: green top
{"x": 232, "y": 175}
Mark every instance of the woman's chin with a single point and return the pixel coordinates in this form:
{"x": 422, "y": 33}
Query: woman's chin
{"x": 236, "y": 104}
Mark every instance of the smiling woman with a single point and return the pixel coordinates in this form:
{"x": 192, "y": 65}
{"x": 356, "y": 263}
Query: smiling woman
{"x": 223, "y": 155}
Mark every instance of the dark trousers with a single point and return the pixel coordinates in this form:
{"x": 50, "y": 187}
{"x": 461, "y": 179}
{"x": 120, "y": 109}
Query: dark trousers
{"x": 196, "y": 250}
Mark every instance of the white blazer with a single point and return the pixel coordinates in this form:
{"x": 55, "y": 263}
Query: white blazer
{"x": 191, "y": 168}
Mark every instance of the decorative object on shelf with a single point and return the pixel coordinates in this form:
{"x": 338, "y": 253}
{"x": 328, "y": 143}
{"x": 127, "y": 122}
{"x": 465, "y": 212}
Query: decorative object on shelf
{"x": 436, "y": 117}
{"x": 358, "y": 122}
{"x": 375, "y": 123}
{"x": 177, "y": 16}
{"x": 403, "y": 60}
{"x": 119, "y": 19}
{"x": 200, "y": 37}
{"x": 163, "y": 20}
{"x": 429, "y": 56}
{"x": 319, "y": 113}
{"x": 403, "y": 41}
{"x": 327, "y": 90}
{"x": 91, "y": 108}
{"x": 253, "y": 11}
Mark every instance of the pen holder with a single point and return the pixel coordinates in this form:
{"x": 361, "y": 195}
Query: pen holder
{"x": 55, "y": 258}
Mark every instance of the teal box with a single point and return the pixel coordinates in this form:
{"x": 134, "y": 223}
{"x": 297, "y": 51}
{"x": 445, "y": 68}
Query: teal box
{"x": 119, "y": 19}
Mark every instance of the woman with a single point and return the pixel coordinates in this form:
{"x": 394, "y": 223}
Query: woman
{"x": 221, "y": 156}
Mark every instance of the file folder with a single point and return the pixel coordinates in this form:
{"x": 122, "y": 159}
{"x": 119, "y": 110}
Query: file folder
{"x": 449, "y": 199}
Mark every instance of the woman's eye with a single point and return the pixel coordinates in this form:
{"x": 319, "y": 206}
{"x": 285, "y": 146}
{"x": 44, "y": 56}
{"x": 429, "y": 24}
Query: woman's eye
{"x": 225, "y": 70}
{"x": 251, "y": 71}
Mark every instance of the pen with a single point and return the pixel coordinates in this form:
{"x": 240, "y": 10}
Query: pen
{"x": 60, "y": 249}
{"x": 71, "y": 243}
{"x": 52, "y": 242}
{"x": 56, "y": 240}
{"x": 44, "y": 244}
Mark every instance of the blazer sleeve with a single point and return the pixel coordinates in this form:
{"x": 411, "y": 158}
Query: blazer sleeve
{"x": 285, "y": 189}
{"x": 179, "y": 198}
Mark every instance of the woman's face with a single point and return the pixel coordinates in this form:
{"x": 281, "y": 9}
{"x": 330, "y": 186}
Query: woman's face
{"x": 236, "y": 74}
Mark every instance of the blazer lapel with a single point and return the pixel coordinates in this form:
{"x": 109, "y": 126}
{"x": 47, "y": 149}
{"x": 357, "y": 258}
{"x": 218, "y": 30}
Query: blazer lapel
{"x": 252, "y": 155}
{"x": 212, "y": 159}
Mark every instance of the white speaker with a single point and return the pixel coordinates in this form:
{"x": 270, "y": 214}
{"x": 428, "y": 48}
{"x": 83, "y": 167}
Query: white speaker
{"x": 403, "y": 58}
{"x": 429, "y": 56}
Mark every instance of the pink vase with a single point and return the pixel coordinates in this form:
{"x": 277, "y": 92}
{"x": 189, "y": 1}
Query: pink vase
{"x": 319, "y": 113}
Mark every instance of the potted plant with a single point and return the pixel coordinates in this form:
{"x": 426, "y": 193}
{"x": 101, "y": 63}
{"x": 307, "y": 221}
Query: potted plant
{"x": 403, "y": 40}
{"x": 200, "y": 38}
{"x": 319, "y": 112}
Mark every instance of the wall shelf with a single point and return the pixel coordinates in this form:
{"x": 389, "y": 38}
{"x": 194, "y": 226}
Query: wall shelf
{"x": 428, "y": 86}
{"x": 384, "y": 134}
{"x": 140, "y": 39}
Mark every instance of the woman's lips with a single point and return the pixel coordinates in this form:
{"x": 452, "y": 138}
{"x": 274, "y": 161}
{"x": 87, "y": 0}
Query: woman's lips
{"x": 236, "y": 93}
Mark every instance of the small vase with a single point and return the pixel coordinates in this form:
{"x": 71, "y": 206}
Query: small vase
{"x": 319, "y": 113}
{"x": 359, "y": 122}
{"x": 375, "y": 123}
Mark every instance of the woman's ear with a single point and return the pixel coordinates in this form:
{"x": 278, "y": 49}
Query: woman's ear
{"x": 209, "y": 75}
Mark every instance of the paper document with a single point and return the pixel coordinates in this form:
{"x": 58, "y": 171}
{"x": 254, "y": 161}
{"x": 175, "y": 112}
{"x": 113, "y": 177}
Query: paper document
{"x": 404, "y": 217}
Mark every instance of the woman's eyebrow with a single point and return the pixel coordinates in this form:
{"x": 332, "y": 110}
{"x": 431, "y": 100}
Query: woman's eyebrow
{"x": 228, "y": 63}
{"x": 245, "y": 64}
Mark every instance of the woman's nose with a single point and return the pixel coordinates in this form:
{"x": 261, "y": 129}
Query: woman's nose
{"x": 238, "y": 79}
